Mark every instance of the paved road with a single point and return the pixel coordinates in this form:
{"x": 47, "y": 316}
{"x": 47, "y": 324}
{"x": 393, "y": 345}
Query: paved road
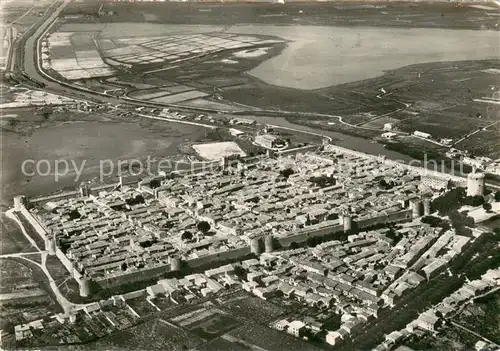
{"x": 21, "y": 254}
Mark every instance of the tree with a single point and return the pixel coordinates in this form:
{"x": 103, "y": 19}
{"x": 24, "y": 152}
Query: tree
{"x": 487, "y": 206}
{"x": 393, "y": 235}
{"x": 203, "y": 226}
{"x": 240, "y": 271}
{"x": 187, "y": 236}
{"x": 475, "y": 201}
{"x": 155, "y": 183}
{"x": 139, "y": 199}
{"x": 46, "y": 112}
{"x": 451, "y": 200}
{"x": 287, "y": 172}
{"x": 497, "y": 196}
{"x": 308, "y": 220}
{"x": 436, "y": 222}
{"x": 332, "y": 216}
{"x": 384, "y": 185}
{"x": 74, "y": 214}
{"x": 323, "y": 180}
{"x": 461, "y": 223}
{"x": 312, "y": 241}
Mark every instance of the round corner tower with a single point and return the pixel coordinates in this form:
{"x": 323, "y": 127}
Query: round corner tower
{"x": 175, "y": 263}
{"x": 19, "y": 202}
{"x": 268, "y": 243}
{"x": 475, "y": 184}
{"x": 84, "y": 283}
{"x": 255, "y": 246}
{"x": 415, "y": 205}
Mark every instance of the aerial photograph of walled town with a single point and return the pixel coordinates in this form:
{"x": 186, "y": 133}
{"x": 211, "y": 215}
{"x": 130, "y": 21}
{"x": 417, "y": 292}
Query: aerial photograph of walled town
{"x": 257, "y": 175}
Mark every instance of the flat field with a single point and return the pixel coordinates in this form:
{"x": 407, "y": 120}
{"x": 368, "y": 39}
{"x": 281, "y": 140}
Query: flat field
{"x": 12, "y": 239}
{"x": 74, "y": 55}
{"x": 252, "y": 308}
{"x": 23, "y": 295}
{"x": 15, "y": 275}
{"x": 215, "y": 151}
{"x": 156, "y": 334}
{"x": 340, "y": 13}
{"x": 213, "y": 326}
{"x": 270, "y": 339}
{"x": 484, "y": 143}
{"x": 483, "y": 316}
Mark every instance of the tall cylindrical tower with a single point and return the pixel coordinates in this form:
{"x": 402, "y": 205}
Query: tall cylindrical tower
{"x": 84, "y": 190}
{"x": 415, "y": 205}
{"x": 84, "y": 284}
{"x": 475, "y": 184}
{"x": 427, "y": 206}
{"x": 268, "y": 243}
{"x": 347, "y": 222}
{"x": 255, "y": 246}
{"x": 50, "y": 245}
{"x": 175, "y": 263}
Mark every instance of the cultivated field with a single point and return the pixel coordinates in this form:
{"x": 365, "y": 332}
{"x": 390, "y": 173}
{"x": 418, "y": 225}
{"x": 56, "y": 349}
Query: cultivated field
{"x": 74, "y": 55}
{"x": 209, "y": 324}
{"x": 252, "y": 308}
{"x": 173, "y": 48}
{"x": 484, "y": 143}
{"x": 270, "y": 339}
{"x": 156, "y": 334}
{"x": 340, "y": 13}
{"x": 15, "y": 277}
{"x": 22, "y": 298}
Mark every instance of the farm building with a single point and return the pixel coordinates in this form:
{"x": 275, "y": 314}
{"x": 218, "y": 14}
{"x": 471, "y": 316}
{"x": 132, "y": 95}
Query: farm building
{"x": 422, "y": 134}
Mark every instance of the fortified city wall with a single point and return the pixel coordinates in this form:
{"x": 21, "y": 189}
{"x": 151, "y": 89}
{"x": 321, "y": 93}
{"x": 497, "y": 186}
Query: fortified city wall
{"x": 460, "y": 181}
{"x": 161, "y": 269}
